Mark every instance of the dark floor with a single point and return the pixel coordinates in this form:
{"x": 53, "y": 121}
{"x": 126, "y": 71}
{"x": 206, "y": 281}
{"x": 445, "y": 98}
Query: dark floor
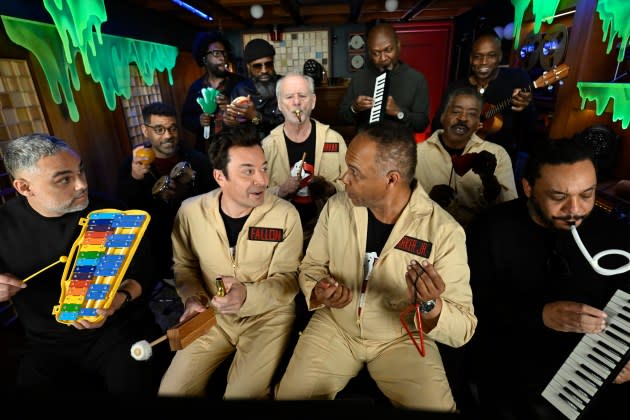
{"x": 167, "y": 308}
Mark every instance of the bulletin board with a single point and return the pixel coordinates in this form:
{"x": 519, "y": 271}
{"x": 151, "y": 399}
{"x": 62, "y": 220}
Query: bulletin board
{"x": 293, "y": 48}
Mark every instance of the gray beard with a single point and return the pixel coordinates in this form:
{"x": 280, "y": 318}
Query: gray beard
{"x": 266, "y": 89}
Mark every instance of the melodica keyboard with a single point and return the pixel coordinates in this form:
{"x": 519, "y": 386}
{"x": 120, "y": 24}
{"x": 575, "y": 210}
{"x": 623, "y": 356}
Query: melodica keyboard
{"x": 381, "y": 92}
{"x": 594, "y": 363}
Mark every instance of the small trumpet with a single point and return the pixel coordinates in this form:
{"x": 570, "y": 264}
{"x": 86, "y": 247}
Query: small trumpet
{"x": 298, "y": 114}
{"x": 220, "y": 286}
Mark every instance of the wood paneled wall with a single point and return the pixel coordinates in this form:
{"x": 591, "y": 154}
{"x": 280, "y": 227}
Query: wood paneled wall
{"x": 100, "y": 136}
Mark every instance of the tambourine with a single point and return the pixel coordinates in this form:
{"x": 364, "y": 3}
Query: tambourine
{"x": 181, "y": 174}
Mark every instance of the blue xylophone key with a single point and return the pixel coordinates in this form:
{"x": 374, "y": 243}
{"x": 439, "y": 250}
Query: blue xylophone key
{"x": 87, "y": 261}
{"x": 120, "y": 240}
{"x": 105, "y": 215}
{"x": 111, "y": 259}
{"x": 100, "y": 222}
{"x": 100, "y": 228}
{"x": 107, "y": 271}
{"x": 129, "y": 221}
{"x": 84, "y": 268}
{"x": 88, "y": 312}
{"x": 97, "y": 291}
{"x": 77, "y": 275}
{"x": 68, "y": 316}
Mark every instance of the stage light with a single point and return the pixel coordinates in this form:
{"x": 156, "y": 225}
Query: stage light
{"x": 256, "y": 11}
{"x": 391, "y": 5}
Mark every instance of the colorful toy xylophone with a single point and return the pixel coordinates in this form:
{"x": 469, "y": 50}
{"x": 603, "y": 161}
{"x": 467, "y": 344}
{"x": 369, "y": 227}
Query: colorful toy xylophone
{"x": 106, "y": 245}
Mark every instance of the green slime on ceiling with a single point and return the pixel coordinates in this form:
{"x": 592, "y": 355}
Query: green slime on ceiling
{"x": 615, "y": 16}
{"x": 76, "y": 19}
{"x": 602, "y": 93}
{"x": 540, "y": 8}
{"x": 109, "y": 65}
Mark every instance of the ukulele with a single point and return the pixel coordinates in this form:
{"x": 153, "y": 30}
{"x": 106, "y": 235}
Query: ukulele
{"x": 491, "y": 118}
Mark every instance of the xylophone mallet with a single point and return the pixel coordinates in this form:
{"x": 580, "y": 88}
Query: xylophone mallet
{"x": 61, "y": 259}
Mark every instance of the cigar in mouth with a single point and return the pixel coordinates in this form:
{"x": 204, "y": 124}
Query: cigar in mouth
{"x": 298, "y": 114}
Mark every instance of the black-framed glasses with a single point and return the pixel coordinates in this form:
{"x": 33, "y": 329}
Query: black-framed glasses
{"x": 217, "y": 53}
{"x": 259, "y": 66}
{"x": 160, "y": 129}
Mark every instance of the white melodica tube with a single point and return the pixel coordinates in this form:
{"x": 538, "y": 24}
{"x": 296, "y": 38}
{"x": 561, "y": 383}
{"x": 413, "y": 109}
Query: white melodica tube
{"x": 594, "y": 260}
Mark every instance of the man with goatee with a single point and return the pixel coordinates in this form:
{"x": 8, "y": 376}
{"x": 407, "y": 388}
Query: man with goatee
{"x": 213, "y": 52}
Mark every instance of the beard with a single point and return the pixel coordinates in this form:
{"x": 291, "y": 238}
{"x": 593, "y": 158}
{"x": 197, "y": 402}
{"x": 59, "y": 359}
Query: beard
{"x": 218, "y": 70}
{"x": 548, "y": 221}
{"x": 266, "y": 89}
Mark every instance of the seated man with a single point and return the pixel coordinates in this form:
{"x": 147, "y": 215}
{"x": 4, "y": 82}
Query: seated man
{"x": 151, "y": 187}
{"x": 382, "y": 252}
{"x": 535, "y": 292}
{"x": 39, "y": 226}
{"x": 462, "y": 172}
{"x": 252, "y": 241}
{"x": 306, "y": 157}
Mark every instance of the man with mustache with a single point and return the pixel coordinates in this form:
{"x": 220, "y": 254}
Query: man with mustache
{"x": 39, "y": 226}
{"x": 252, "y": 241}
{"x": 408, "y": 99}
{"x": 535, "y": 293}
{"x": 260, "y": 109}
{"x": 139, "y": 182}
{"x": 379, "y": 249}
{"x": 495, "y": 84}
{"x": 462, "y": 172}
{"x": 213, "y": 52}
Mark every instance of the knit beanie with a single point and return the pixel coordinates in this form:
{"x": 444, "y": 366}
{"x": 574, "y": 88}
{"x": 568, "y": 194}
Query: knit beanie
{"x": 258, "y": 48}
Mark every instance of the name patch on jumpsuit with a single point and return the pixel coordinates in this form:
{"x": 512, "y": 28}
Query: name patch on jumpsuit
{"x": 331, "y": 147}
{"x": 415, "y": 246}
{"x": 265, "y": 234}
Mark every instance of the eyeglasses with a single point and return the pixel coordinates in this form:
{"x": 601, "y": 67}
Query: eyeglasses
{"x": 217, "y": 53}
{"x": 259, "y": 66}
{"x": 160, "y": 129}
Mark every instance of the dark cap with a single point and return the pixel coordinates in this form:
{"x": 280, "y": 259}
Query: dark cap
{"x": 258, "y": 48}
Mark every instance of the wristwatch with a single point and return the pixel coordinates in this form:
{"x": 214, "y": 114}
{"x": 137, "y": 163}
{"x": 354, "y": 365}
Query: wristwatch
{"x": 427, "y": 306}
{"x": 400, "y": 116}
{"x": 256, "y": 120}
{"x": 127, "y": 296}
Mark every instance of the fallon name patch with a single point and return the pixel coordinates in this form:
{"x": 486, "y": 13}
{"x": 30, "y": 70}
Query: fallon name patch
{"x": 415, "y": 246}
{"x": 331, "y": 147}
{"x": 265, "y": 234}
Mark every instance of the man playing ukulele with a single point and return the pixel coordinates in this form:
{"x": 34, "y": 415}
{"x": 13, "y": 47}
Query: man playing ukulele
{"x": 514, "y": 126}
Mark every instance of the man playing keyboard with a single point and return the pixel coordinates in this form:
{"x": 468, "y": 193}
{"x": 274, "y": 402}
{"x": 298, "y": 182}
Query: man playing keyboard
{"x": 536, "y": 295}
{"x": 408, "y": 98}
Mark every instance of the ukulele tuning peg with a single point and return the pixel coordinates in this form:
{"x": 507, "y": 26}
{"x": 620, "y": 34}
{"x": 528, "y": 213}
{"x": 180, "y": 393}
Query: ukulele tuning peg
{"x": 550, "y": 87}
{"x": 561, "y": 82}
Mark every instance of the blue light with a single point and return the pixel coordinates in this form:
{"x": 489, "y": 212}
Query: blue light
{"x": 192, "y": 9}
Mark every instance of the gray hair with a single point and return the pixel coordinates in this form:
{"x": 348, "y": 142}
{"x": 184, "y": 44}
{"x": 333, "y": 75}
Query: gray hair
{"x": 24, "y": 152}
{"x": 309, "y": 79}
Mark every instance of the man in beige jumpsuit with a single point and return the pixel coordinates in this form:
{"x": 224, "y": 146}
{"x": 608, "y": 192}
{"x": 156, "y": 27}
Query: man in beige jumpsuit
{"x": 488, "y": 180}
{"x": 378, "y": 247}
{"x": 253, "y": 241}
{"x": 285, "y": 147}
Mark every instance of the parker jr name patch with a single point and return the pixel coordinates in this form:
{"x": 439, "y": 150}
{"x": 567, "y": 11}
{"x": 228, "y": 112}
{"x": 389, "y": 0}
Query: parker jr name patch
{"x": 415, "y": 246}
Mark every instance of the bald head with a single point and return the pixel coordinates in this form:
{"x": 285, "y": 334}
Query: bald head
{"x": 383, "y": 46}
{"x": 382, "y": 30}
